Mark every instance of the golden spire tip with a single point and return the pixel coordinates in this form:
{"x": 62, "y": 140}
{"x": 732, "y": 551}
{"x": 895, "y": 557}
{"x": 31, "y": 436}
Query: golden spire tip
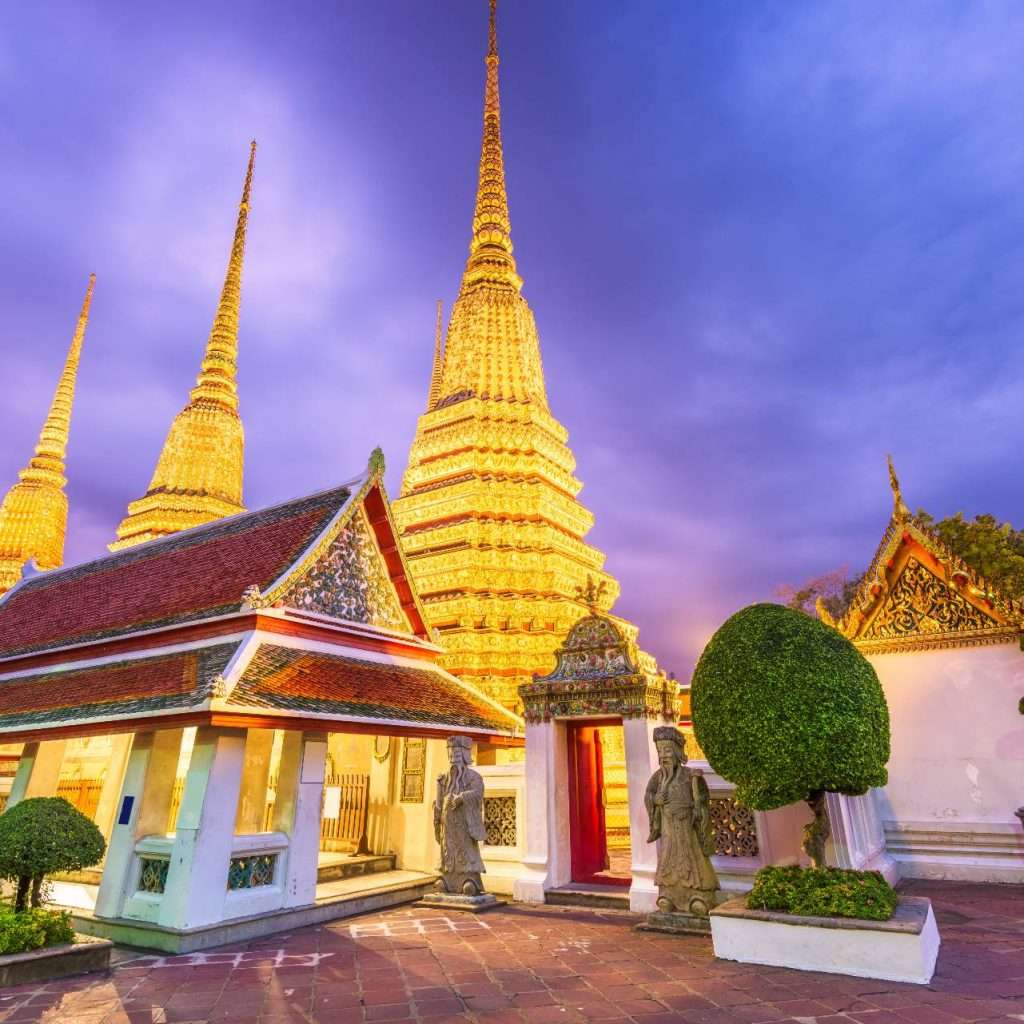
{"x": 899, "y": 507}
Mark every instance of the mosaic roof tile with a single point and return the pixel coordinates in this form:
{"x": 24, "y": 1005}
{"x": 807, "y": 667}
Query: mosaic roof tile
{"x": 185, "y": 577}
{"x": 163, "y": 682}
{"x": 296, "y": 680}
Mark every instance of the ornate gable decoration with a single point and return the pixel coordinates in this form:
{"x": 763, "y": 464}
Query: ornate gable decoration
{"x": 598, "y": 673}
{"x": 350, "y": 581}
{"x": 919, "y": 595}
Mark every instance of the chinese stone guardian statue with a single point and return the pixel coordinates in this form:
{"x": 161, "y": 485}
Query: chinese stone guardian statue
{"x": 459, "y": 830}
{"x": 679, "y": 809}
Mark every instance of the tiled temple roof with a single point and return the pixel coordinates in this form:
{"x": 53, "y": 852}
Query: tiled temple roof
{"x": 165, "y": 682}
{"x": 303, "y": 681}
{"x": 185, "y": 577}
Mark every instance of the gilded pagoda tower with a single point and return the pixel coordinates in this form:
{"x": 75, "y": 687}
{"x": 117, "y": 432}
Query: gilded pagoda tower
{"x": 490, "y": 520}
{"x": 198, "y": 477}
{"x": 34, "y": 512}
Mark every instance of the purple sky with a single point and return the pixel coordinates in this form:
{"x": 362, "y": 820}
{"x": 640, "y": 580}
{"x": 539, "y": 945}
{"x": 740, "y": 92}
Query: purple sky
{"x": 765, "y": 243}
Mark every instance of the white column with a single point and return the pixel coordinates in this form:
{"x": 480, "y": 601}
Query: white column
{"x": 546, "y": 863}
{"x": 300, "y": 792}
{"x": 641, "y": 763}
{"x": 148, "y": 784}
{"x": 252, "y": 801}
{"x": 197, "y": 880}
{"x": 113, "y": 777}
{"x": 38, "y": 770}
{"x": 858, "y": 838}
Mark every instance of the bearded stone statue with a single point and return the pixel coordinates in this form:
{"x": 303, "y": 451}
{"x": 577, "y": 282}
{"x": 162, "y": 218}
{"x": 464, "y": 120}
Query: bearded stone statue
{"x": 459, "y": 821}
{"x": 679, "y": 808}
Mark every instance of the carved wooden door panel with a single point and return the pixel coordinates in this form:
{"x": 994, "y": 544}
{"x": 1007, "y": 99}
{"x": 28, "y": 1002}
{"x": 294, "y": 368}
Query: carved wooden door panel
{"x": 587, "y": 836}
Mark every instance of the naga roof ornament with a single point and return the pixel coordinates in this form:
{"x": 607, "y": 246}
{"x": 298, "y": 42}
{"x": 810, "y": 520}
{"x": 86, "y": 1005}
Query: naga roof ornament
{"x": 198, "y": 477}
{"x": 34, "y": 512}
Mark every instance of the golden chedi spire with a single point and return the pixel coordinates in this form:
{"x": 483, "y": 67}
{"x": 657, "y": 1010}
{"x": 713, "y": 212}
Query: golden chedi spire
{"x": 34, "y": 513}
{"x": 488, "y": 510}
{"x": 198, "y": 477}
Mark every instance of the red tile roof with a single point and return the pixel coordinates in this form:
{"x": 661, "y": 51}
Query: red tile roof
{"x": 296, "y": 680}
{"x": 182, "y": 578}
{"x": 112, "y": 690}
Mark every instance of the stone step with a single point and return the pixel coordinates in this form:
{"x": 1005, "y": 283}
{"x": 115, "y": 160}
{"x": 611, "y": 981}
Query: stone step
{"x": 598, "y": 897}
{"x": 333, "y": 867}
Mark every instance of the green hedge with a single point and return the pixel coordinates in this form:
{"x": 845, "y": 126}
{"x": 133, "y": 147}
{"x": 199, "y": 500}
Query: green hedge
{"x": 784, "y": 706}
{"x": 21, "y": 931}
{"x": 823, "y": 892}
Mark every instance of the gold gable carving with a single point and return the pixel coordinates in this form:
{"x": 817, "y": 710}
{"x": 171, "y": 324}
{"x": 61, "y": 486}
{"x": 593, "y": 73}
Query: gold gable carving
{"x": 919, "y": 602}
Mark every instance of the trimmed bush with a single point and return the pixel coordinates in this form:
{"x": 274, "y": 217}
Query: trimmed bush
{"x": 823, "y": 892}
{"x": 21, "y": 931}
{"x": 41, "y": 836}
{"x": 787, "y": 709}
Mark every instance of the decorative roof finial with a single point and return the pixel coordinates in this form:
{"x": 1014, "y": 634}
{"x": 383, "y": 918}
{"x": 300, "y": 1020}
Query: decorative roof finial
{"x": 375, "y": 466}
{"x": 436, "y": 372}
{"x": 592, "y": 594}
{"x": 900, "y": 510}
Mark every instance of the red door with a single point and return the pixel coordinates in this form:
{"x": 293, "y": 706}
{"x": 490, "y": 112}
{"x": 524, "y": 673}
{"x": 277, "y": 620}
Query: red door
{"x": 588, "y": 840}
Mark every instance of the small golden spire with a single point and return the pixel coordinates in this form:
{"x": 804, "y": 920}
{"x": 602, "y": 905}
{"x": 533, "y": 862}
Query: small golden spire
{"x": 198, "y": 477}
{"x": 437, "y": 370}
{"x": 490, "y": 251}
{"x": 34, "y": 513}
{"x": 900, "y": 510}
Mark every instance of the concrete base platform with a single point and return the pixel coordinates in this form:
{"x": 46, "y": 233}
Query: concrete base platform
{"x": 903, "y": 948}
{"x": 675, "y": 924}
{"x": 456, "y": 901}
{"x": 52, "y": 962}
{"x": 338, "y": 899}
{"x": 333, "y": 866}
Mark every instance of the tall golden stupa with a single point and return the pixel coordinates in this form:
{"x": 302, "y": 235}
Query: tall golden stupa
{"x": 198, "y": 477}
{"x": 489, "y": 515}
{"x": 34, "y": 513}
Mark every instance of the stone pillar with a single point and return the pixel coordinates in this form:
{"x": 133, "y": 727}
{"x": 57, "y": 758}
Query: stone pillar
{"x": 547, "y": 860}
{"x": 38, "y": 770}
{"x": 858, "y": 838}
{"x": 148, "y": 784}
{"x": 300, "y": 791}
{"x": 113, "y": 777}
{"x": 197, "y": 882}
{"x": 641, "y": 763}
{"x": 252, "y": 801}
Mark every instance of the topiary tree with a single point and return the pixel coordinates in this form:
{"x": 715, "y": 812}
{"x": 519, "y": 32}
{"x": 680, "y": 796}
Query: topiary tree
{"x": 787, "y": 709}
{"x": 41, "y": 836}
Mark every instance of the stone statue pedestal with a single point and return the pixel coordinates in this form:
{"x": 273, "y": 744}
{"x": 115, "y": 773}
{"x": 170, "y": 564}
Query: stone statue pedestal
{"x": 675, "y": 923}
{"x": 457, "y": 901}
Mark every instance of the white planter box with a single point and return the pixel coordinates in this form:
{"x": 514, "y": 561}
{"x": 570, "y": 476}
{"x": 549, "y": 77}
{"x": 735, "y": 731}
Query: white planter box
{"x": 903, "y": 948}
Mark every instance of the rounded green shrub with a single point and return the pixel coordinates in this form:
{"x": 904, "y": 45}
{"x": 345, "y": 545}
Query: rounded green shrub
{"x": 41, "y": 836}
{"x": 787, "y": 709}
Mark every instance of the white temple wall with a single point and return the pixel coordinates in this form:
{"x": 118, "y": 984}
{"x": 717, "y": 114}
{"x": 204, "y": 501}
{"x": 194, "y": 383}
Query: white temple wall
{"x": 505, "y": 812}
{"x": 411, "y": 823}
{"x": 956, "y": 773}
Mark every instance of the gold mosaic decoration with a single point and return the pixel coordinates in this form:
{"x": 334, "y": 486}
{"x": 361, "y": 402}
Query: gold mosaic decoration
{"x": 350, "y": 581}
{"x": 490, "y": 521}
{"x": 34, "y": 513}
{"x": 919, "y": 602}
{"x": 198, "y": 477}
{"x": 919, "y": 595}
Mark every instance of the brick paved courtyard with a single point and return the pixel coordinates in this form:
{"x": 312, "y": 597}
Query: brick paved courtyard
{"x": 539, "y": 964}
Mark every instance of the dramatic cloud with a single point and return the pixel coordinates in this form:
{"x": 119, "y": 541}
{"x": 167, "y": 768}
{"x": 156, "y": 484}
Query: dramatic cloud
{"x": 765, "y": 243}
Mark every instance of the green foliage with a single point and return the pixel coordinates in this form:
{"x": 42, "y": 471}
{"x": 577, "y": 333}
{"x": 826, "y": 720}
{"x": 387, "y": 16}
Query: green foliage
{"x": 823, "y": 892}
{"x": 43, "y": 835}
{"x": 989, "y": 547}
{"x": 784, "y": 706}
{"x": 836, "y": 589}
{"x": 21, "y": 931}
